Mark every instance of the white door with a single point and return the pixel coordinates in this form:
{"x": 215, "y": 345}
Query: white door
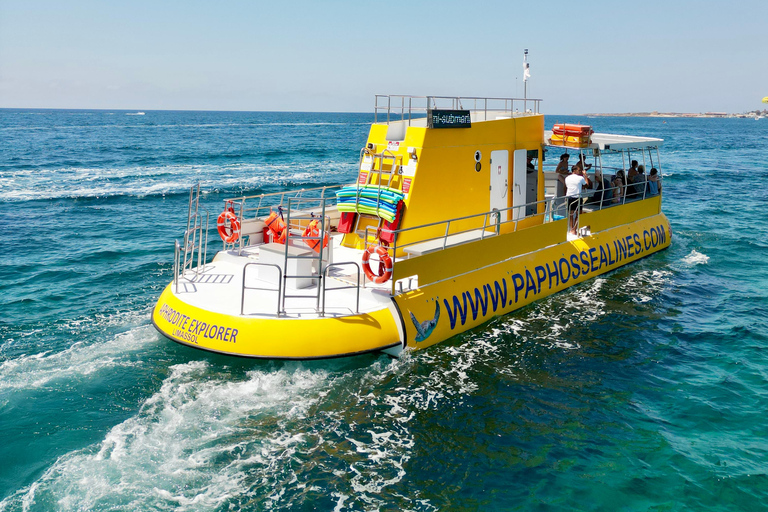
{"x": 519, "y": 183}
{"x": 500, "y": 182}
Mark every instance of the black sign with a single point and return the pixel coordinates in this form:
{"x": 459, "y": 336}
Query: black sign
{"x": 449, "y": 119}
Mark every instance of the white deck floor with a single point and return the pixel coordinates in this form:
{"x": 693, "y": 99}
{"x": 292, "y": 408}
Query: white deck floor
{"x": 219, "y": 288}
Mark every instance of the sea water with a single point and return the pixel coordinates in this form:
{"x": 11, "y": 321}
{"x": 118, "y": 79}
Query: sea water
{"x": 642, "y": 389}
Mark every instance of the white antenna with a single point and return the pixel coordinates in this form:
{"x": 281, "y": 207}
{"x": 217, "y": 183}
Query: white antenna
{"x": 526, "y": 76}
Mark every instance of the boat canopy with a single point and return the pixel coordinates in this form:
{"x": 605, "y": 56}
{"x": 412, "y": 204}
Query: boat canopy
{"x": 611, "y": 142}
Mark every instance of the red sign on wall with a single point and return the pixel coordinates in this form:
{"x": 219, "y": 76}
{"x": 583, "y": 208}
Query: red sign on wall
{"x": 363, "y": 178}
{"x": 406, "y": 185}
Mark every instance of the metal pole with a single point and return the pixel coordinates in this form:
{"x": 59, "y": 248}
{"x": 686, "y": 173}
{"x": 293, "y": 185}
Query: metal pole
{"x": 525, "y": 80}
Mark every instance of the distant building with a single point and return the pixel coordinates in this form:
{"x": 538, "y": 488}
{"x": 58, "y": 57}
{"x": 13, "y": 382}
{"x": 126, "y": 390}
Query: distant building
{"x": 716, "y": 114}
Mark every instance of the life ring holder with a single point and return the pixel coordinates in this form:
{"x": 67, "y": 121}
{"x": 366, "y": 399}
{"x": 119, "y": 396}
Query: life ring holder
{"x": 234, "y": 224}
{"x": 385, "y": 264}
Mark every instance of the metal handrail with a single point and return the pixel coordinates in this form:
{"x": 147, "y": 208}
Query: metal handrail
{"x": 494, "y": 214}
{"x": 279, "y": 285}
{"x": 357, "y": 287}
{"x": 497, "y": 213}
{"x": 245, "y": 213}
{"x": 272, "y": 194}
{"x": 176, "y": 256}
{"x": 456, "y": 103}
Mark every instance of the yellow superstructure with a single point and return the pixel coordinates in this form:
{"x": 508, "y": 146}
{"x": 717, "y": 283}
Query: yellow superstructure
{"x": 482, "y": 231}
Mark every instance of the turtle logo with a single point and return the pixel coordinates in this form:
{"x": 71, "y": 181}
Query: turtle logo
{"x": 425, "y": 328}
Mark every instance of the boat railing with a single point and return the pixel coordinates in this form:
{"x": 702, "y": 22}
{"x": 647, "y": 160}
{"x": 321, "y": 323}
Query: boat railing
{"x": 407, "y": 108}
{"x": 265, "y": 202}
{"x": 195, "y": 240}
{"x": 279, "y": 286}
{"x": 176, "y": 258}
{"x": 355, "y": 286}
{"x": 491, "y": 223}
{"x": 507, "y": 220}
{"x": 254, "y": 207}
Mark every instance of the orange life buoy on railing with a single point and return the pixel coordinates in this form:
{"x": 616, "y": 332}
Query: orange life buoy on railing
{"x": 229, "y": 233}
{"x": 313, "y": 231}
{"x": 385, "y": 264}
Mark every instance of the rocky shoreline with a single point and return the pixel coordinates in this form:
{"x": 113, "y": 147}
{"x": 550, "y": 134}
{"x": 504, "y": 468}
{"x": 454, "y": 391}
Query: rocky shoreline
{"x": 755, "y": 114}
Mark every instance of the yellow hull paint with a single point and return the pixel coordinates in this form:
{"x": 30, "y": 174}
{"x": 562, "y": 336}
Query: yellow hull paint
{"x": 491, "y": 277}
{"x": 514, "y": 281}
{"x": 273, "y": 338}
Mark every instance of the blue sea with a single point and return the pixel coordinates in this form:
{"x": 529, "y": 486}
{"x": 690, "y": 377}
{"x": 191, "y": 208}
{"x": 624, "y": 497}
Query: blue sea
{"x": 643, "y": 389}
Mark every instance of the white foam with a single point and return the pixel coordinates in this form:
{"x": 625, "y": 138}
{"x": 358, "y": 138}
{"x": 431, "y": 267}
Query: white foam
{"x": 82, "y": 358}
{"x": 210, "y": 440}
{"x": 142, "y": 181}
{"x": 191, "y": 445}
{"x": 696, "y": 258}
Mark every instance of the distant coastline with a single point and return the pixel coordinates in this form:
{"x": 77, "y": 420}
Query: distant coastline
{"x": 746, "y": 115}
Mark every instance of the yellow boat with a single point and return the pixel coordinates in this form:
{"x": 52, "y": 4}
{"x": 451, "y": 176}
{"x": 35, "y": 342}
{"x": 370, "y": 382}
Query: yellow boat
{"x": 457, "y": 216}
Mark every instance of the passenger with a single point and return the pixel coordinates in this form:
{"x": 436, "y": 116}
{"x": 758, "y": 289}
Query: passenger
{"x": 654, "y": 184}
{"x": 574, "y": 183}
{"x": 581, "y": 164}
{"x": 562, "y": 173}
{"x": 601, "y": 187}
{"x": 618, "y": 184}
{"x": 640, "y": 181}
{"x": 607, "y": 190}
{"x": 529, "y": 168}
{"x": 632, "y": 171}
{"x": 532, "y": 181}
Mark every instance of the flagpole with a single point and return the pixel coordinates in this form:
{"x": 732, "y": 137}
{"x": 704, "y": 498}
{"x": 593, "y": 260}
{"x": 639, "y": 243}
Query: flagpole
{"x": 525, "y": 80}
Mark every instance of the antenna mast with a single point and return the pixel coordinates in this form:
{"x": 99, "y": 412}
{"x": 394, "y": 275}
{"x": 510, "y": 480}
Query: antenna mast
{"x": 526, "y": 76}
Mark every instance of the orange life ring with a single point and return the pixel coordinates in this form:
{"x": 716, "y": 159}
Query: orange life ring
{"x": 385, "y": 264}
{"x": 313, "y": 230}
{"x": 229, "y": 233}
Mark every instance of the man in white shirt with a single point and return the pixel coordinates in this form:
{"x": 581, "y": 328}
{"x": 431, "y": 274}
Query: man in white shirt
{"x": 574, "y": 183}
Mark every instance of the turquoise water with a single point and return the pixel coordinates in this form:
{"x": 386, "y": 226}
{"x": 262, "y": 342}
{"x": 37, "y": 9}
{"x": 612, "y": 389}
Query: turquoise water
{"x": 644, "y": 389}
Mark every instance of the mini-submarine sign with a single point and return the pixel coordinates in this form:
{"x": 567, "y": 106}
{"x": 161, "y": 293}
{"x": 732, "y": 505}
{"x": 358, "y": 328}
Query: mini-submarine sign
{"x": 449, "y": 118}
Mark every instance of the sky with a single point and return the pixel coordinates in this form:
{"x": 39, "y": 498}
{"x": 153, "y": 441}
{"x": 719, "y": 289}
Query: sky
{"x": 334, "y": 56}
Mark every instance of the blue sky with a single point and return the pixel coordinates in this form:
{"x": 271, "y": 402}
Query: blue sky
{"x": 681, "y": 56}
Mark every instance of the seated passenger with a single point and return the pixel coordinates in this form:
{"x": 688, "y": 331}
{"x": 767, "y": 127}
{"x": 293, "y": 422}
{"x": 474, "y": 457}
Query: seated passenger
{"x": 632, "y": 171}
{"x": 597, "y": 186}
{"x": 654, "y": 184}
{"x": 618, "y": 184}
{"x": 582, "y": 165}
{"x": 637, "y": 183}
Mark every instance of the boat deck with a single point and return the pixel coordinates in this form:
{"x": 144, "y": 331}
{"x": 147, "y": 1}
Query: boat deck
{"x": 219, "y": 287}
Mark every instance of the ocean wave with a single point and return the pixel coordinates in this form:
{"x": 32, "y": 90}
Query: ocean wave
{"x": 209, "y": 440}
{"x": 81, "y": 359}
{"x": 160, "y": 181}
{"x": 153, "y": 126}
{"x": 192, "y": 445}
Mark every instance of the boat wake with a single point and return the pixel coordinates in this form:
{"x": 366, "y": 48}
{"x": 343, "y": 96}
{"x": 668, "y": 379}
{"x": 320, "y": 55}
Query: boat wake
{"x": 82, "y": 359}
{"x": 205, "y": 441}
{"x": 146, "y": 181}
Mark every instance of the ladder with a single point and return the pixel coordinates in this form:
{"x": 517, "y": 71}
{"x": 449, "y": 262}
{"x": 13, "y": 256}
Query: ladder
{"x": 316, "y": 257}
{"x": 394, "y": 169}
